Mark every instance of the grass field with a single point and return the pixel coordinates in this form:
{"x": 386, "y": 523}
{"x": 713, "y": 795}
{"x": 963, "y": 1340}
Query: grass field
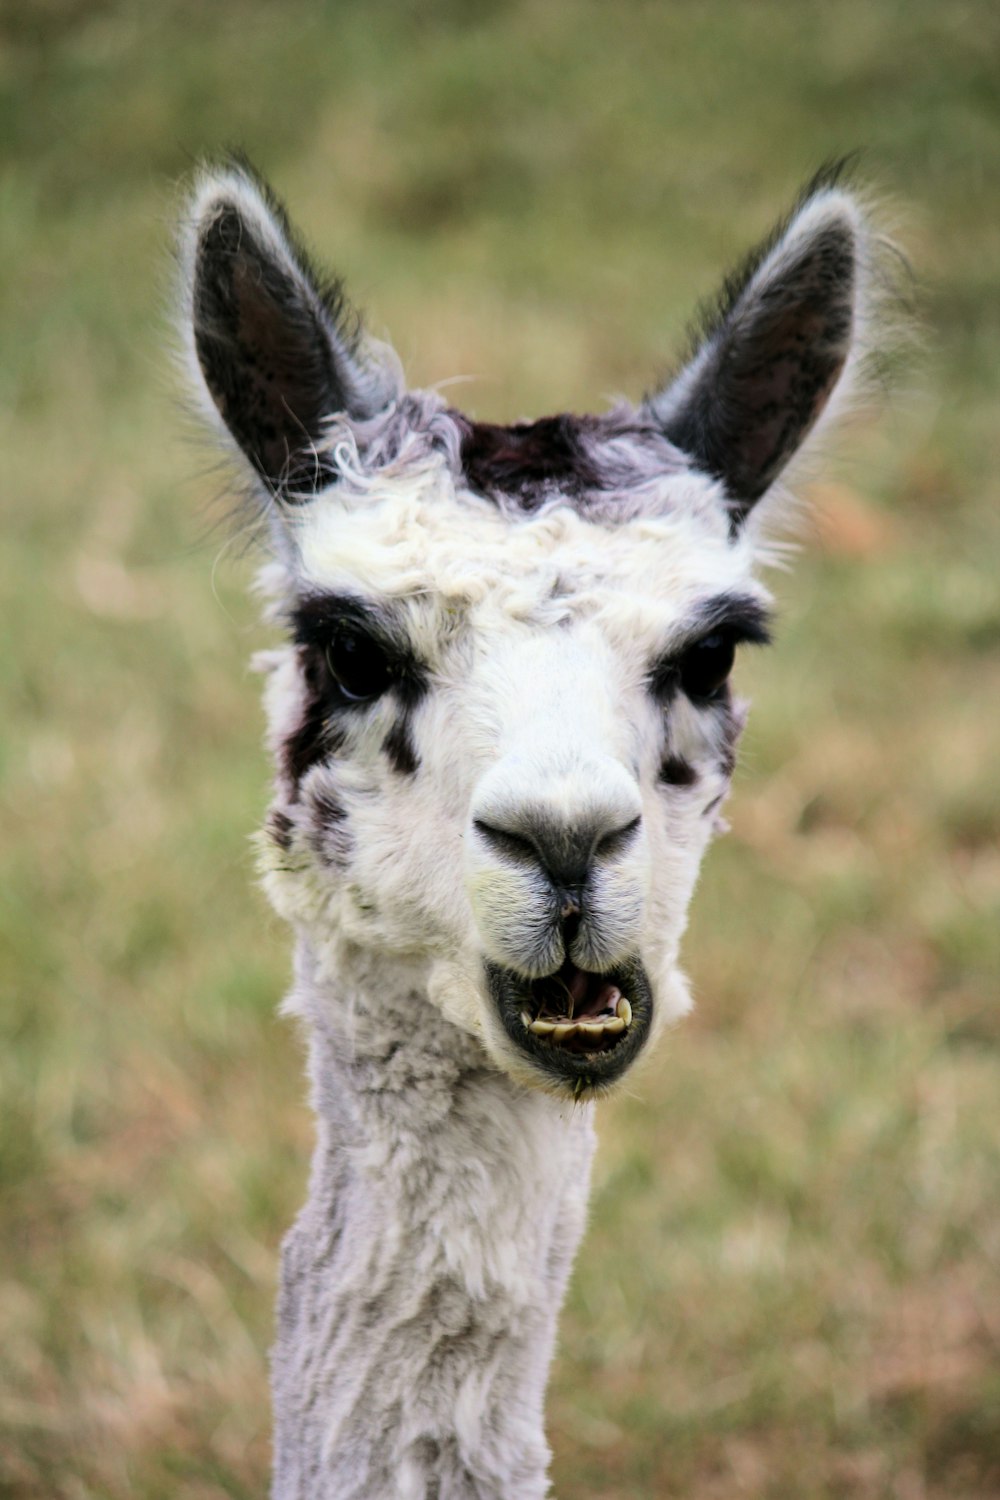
{"x": 791, "y": 1286}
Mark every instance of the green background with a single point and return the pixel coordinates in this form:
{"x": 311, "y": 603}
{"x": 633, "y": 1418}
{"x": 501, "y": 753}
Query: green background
{"x": 790, "y": 1284}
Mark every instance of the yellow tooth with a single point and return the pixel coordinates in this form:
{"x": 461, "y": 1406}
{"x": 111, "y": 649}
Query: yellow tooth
{"x": 624, "y": 1011}
{"x": 526, "y": 1018}
{"x": 542, "y": 1028}
{"x": 560, "y": 1033}
{"x": 611, "y": 1027}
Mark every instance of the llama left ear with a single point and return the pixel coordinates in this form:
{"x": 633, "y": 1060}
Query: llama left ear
{"x": 274, "y": 344}
{"x": 771, "y": 352}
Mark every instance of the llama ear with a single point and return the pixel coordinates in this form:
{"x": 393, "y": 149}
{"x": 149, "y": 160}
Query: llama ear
{"x": 274, "y": 344}
{"x": 772, "y": 349}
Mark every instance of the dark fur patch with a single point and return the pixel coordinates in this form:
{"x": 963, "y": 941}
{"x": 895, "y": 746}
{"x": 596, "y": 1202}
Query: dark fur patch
{"x": 529, "y": 460}
{"x": 328, "y": 833}
{"x": 279, "y": 828}
{"x": 675, "y": 771}
{"x": 734, "y": 723}
{"x": 317, "y": 736}
{"x": 398, "y": 746}
{"x": 590, "y": 462}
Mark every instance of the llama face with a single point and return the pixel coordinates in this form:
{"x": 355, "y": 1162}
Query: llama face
{"x": 503, "y": 725}
{"x": 513, "y": 770}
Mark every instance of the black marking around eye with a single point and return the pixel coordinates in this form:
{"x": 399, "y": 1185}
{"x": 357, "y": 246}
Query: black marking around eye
{"x": 675, "y": 771}
{"x": 740, "y": 617}
{"x": 664, "y": 680}
{"x": 398, "y": 746}
{"x": 326, "y": 712}
{"x": 317, "y": 735}
{"x": 316, "y": 618}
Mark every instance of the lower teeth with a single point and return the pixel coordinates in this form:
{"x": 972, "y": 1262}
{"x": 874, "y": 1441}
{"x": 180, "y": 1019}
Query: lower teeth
{"x": 559, "y": 1031}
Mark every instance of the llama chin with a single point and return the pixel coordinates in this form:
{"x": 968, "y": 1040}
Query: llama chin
{"x": 503, "y": 731}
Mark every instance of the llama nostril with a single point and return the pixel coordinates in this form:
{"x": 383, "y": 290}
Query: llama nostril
{"x": 570, "y": 917}
{"x": 566, "y": 853}
{"x": 613, "y": 843}
{"x": 505, "y": 842}
{"x": 571, "y": 905}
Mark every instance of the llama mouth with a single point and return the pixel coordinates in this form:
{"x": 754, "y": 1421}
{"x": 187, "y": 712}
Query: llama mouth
{"x": 578, "y": 1010}
{"x": 579, "y": 1027}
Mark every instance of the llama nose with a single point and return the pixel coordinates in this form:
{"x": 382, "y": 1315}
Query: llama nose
{"x": 566, "y": 851}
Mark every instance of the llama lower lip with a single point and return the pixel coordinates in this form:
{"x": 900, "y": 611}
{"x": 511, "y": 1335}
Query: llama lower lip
{"x": 590, "y": 1041}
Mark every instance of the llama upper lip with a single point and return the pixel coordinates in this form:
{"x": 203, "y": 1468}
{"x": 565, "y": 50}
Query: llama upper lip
{"x": 579, "y": 1027}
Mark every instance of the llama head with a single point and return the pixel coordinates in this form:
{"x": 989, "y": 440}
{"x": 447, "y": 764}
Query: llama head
{"x": 503, "y": 724}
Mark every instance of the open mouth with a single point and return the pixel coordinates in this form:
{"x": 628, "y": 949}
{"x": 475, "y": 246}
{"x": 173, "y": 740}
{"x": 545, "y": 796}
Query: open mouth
{"x": 579, "y": 1027}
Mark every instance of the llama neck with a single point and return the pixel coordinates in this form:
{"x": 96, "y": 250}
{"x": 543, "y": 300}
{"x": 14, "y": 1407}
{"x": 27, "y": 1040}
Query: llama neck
{"x": 421, "y": 1283}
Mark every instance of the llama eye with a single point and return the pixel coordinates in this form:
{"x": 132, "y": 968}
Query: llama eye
{"x": 705, "y": 666}
{"x": 359, "y": 666}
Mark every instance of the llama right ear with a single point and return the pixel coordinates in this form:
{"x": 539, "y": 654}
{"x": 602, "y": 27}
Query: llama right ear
{"x": 772, "y": 350}
{"x": 274, "y": 345}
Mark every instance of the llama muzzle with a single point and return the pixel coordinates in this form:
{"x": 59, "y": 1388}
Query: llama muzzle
{"x": 578, "y": 1028}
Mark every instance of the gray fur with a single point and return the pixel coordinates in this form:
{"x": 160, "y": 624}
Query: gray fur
{"x": 418, "y": 1133}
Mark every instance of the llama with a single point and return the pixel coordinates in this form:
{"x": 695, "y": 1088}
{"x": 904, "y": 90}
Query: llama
{"x": 503, "y": 730}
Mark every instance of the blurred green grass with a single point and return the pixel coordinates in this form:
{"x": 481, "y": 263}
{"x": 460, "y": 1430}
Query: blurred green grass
{"x": 790, "y": 1287}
